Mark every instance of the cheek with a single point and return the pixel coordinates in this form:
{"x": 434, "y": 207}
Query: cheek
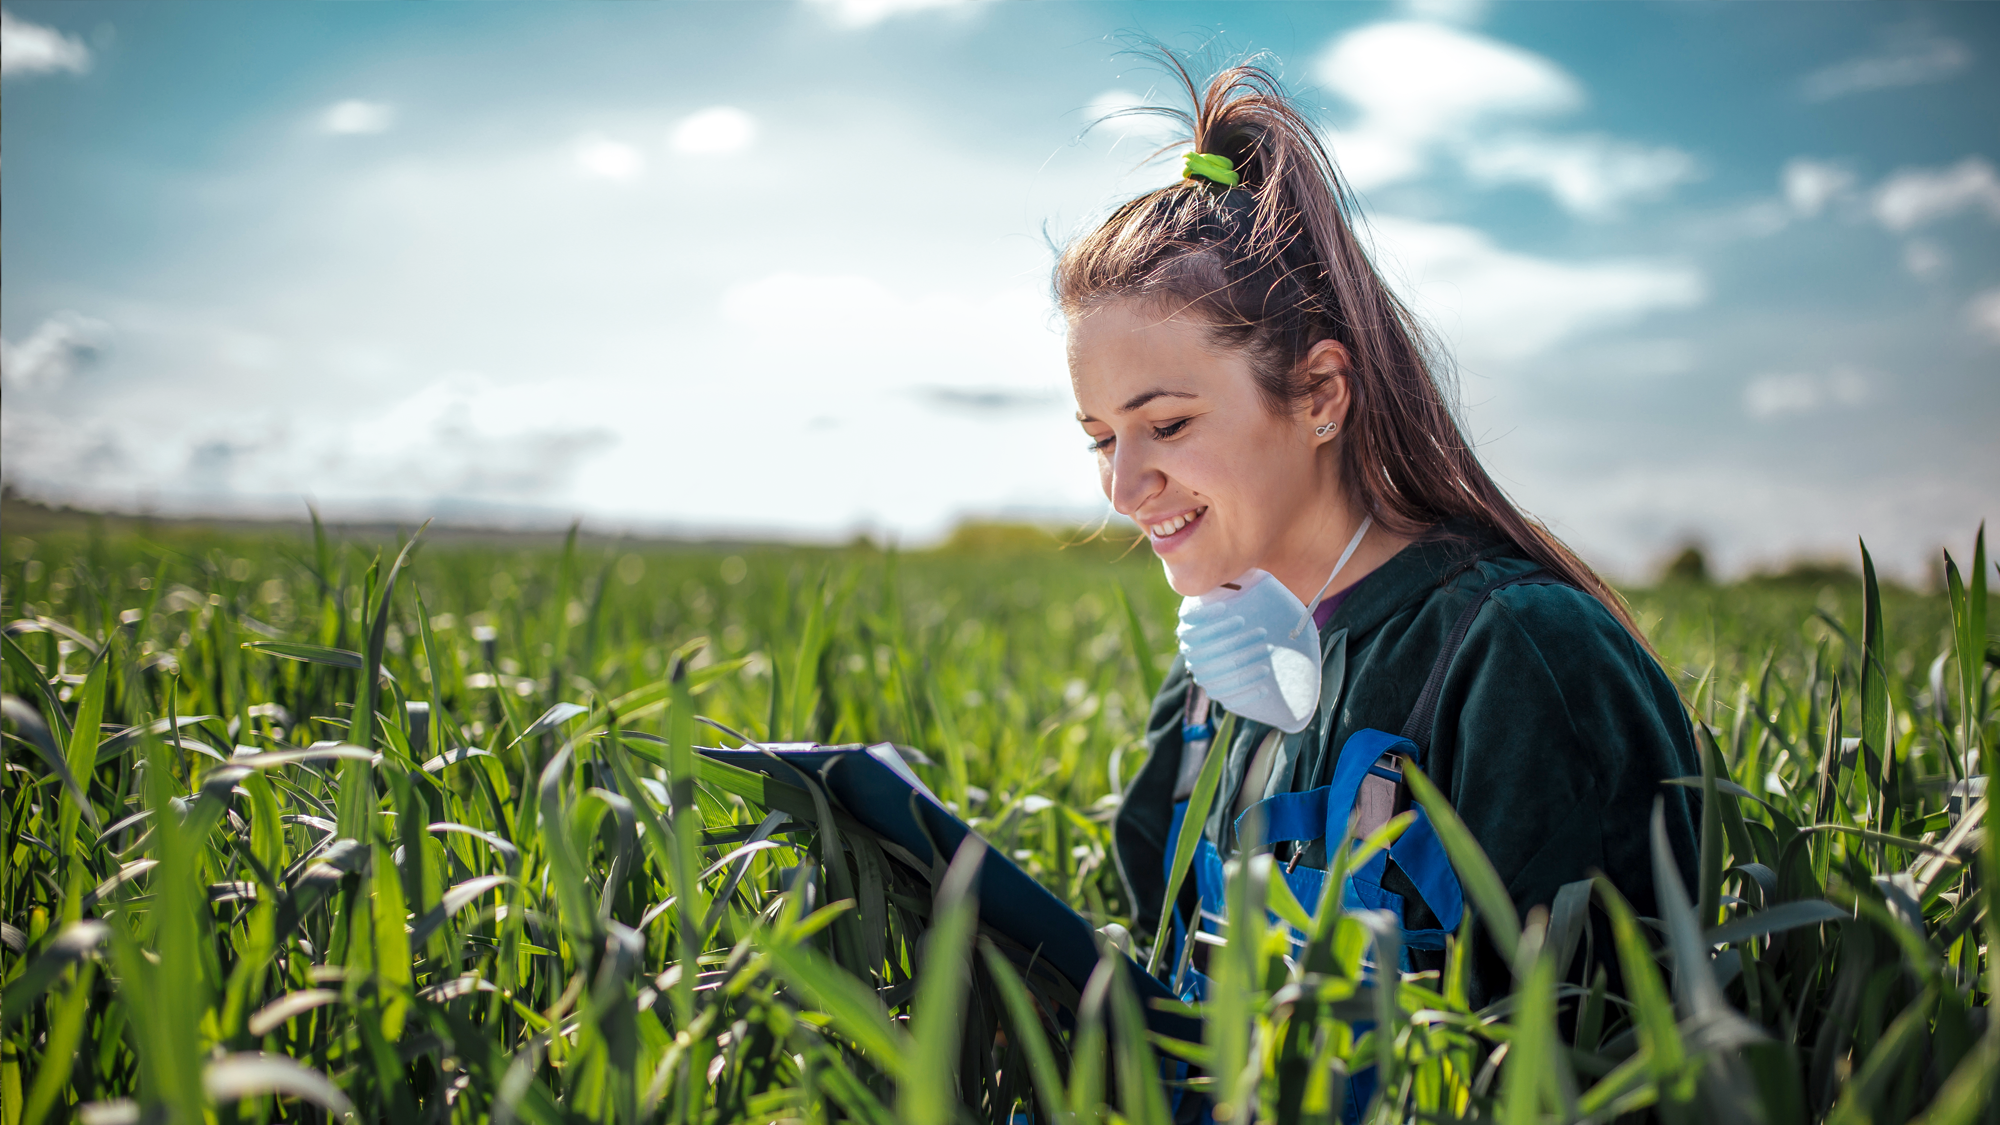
{"x": 1272, "y": 462}
{"x": 1206, "y": 472}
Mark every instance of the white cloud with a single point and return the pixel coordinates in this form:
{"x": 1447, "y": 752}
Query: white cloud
{"x": 1777, "y": 394}
{"x": 1422, "y": 90}
{"x": 1925, "y": 259}
{"x": 1419, "y": 85}
{"x": 1915, "y": 197}
{"x": 29, "y": 48}
{"x": 714, "y": 131}
{"x": 1591, "y": 175}
{"x": 465, "y": 437}
{"x": 608, "y": 159}
{"x": 356, "y": 116}
{"x": 1494, "y": 305}
{"x": 1913, "y": 57}
{"x": 1983, "y": 313}
{"x": 445, "y": 443}
{"x": 1431, "y": 81}
{"x": 865, "y": 13}
{"x": 58, "y": 348}
{"x": 1812, "y": 184}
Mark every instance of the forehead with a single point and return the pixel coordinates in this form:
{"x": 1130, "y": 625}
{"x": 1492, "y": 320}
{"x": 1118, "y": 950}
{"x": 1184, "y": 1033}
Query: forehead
{"x": 1121, "y": 328}
{"x": 1115, "y": 346}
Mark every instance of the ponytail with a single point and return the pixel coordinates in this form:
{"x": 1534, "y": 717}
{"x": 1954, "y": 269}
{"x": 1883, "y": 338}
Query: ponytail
{"x": 1272, "y": 267}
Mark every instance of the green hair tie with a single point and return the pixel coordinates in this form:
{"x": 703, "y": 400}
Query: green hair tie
{"x": 1208, "y": 166}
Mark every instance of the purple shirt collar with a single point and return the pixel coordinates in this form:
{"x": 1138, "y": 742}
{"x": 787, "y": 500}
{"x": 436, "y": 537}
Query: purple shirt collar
{"x": 1324, "y": 611}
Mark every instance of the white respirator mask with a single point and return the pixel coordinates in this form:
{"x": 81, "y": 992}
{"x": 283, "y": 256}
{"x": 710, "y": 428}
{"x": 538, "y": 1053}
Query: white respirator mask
{"x": 1251, "y": 645}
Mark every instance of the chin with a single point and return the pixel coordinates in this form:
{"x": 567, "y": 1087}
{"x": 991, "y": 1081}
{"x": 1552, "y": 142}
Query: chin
{"x": 1188, "y": 581}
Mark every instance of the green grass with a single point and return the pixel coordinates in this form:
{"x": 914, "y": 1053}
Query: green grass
{"x": 246, "y": 878}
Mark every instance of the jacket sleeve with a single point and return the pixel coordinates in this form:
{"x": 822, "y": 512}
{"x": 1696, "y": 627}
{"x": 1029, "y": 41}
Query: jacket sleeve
{"x": 1139, "y": 828}
{"x": 1557, "y": 732}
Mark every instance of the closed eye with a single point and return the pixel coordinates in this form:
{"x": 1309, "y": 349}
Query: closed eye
{"x": 1160, "y": 433}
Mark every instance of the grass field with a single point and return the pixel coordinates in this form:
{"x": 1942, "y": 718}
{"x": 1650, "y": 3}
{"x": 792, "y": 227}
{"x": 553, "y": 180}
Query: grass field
{"x": 297, "y": 830}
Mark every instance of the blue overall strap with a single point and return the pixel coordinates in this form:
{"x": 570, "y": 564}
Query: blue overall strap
{"x": 1197, "y": 737}
{"x": 1420, "y": 854}
{"x": 1323, "y": 812}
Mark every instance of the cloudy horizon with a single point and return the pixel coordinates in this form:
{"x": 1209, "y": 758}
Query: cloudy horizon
{"x": 1704, "y": 273}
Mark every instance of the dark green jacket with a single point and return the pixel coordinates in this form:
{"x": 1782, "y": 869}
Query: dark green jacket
{"x": 1554, "y": 731}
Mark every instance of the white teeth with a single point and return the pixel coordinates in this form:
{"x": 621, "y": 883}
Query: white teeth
{"x": 1162, "y": 530}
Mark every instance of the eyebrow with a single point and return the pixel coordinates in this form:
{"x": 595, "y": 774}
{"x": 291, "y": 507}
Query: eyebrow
{"x": 1141, "y": 399}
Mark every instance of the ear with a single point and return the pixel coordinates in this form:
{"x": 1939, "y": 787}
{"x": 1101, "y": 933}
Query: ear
{"x": 1325, "y": 370}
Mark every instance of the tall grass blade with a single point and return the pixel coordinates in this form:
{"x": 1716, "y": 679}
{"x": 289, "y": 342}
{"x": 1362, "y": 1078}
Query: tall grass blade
{"x": 37, "y": 736}
{"x": 1875, "y": 699}
{"x": 83, "y": 758}
{"x": 1135, "y": 637}
{"x": 1475, "y": 872}
{"x": 234, "y": 1077}
{"x": 1653, "y": 1012}
{"x": 59, "y": 1049}
{"x": 1192, "y": 823}
{"x": 1025, "y": 1026}
{"x": 1140, "y": 1094}
{"x": 929, "y": 1088}
{"x": 27, "y": 672}
{"x": 853, "y": 1006}
{"x": 1970, "y": 1089}
{"x": 1087, "y": 1059}
{"x": 1535, "y": 1077}
{"x": 1776, "y": 919}
{"x": 357, "y": 779}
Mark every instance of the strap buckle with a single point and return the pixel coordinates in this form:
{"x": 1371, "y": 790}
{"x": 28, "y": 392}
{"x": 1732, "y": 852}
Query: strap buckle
{"x": 1375, "y": 802}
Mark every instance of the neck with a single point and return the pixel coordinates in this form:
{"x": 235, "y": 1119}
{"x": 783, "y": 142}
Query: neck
{"x": 1310, "y": 554}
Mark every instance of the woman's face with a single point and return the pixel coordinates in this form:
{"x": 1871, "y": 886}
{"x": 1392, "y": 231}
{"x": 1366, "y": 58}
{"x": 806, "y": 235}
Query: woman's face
{"x": 1188, "y": 450}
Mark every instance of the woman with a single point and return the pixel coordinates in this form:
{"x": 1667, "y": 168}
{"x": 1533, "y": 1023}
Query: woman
{"x": 1266, "y": 410}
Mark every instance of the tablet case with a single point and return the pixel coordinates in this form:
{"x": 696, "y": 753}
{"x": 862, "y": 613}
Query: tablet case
{"x": 872, "y": 785}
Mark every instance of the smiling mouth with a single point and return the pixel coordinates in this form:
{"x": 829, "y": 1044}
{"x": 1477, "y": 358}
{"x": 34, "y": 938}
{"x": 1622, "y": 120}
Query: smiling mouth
{"x": 1167, "y": 529}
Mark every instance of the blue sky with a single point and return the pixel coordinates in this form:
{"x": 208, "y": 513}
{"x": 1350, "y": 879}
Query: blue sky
{"x": 1715, "y": 272}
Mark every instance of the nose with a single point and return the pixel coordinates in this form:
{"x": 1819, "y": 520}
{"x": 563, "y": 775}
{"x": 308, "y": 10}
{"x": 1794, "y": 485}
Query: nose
{"x": 1130, "y": 477}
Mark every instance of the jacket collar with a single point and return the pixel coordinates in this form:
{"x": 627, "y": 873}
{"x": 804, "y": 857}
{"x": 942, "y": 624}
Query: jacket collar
{"x": 1436, "y": 557}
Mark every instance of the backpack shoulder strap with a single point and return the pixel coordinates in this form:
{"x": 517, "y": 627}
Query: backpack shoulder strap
{"x": 1195, "y": 722}
{"x": 1197, "y": 734}
{"x": 1417, "y": 728}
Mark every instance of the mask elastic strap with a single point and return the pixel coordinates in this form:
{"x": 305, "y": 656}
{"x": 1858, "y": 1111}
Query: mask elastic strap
{"x": 1366, "y": 522}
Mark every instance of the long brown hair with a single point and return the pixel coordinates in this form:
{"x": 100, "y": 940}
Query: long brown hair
{"x": 1272, "y": 267}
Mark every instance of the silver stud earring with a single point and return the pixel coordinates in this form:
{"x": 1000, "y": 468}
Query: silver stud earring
{"x": 1330, "y": 427}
